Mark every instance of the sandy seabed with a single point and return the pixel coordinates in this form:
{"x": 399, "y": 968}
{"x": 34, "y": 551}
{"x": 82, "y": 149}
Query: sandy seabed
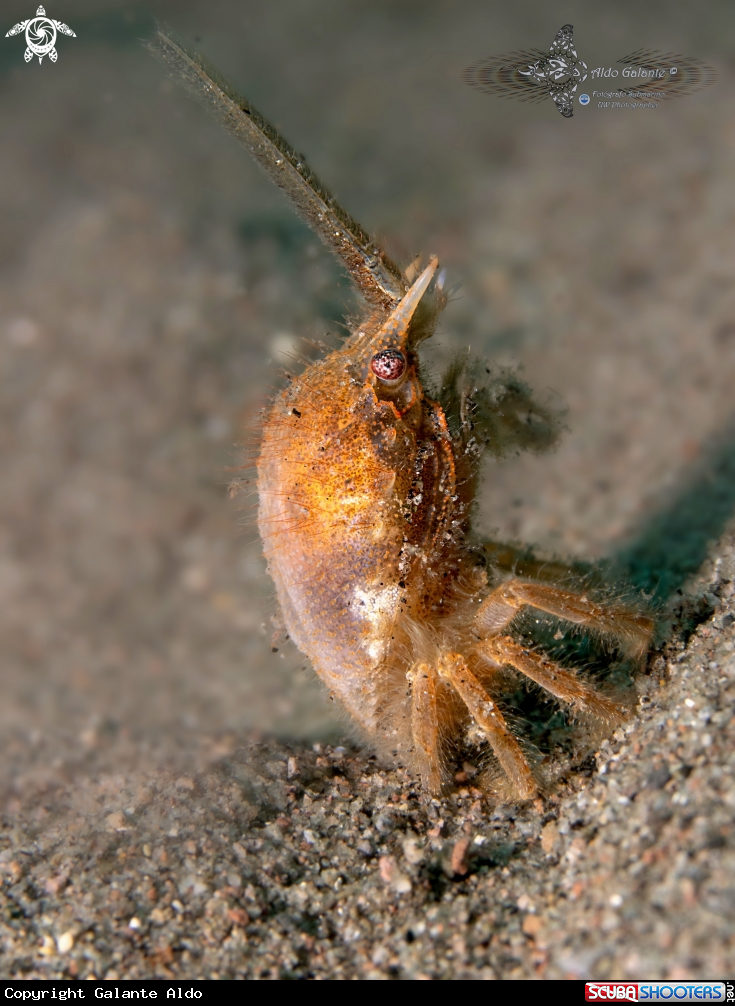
{"x": 179, "y": 801}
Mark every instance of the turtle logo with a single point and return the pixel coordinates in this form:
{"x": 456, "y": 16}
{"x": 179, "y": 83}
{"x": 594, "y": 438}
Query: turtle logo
{"x": 40, "y": 35}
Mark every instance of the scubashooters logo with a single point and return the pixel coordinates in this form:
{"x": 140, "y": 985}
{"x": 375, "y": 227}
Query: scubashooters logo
{"x": 535, "y": 75}
{"x": 656, "y": 992}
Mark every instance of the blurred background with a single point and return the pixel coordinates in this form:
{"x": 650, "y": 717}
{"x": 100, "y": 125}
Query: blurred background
{"x": 152, "y": 283}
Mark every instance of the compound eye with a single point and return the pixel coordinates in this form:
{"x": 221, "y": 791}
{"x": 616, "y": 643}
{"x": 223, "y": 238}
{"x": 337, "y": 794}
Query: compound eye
{"x": 390, "y": 365}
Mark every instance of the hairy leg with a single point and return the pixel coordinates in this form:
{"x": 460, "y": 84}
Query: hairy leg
{"x": 488, "y": 717}
{"x": 521, "y": 563}
{"x": 425, "y": 727}
{"x": 502, "y": 604}
{"x": 562, "y": 684}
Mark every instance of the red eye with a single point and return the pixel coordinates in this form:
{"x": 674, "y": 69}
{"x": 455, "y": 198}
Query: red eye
{"x": 388, "y": 365}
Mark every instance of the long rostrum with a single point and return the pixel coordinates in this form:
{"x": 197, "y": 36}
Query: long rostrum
{"x": 376, "y": 277}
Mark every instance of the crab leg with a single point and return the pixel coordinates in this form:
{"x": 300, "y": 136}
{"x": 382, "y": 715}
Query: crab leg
{"x": 502, "y": 604}
{"x": 519, "y": 562}
{"x": 425, "y": 727}
{"x": 564, "y": 685}
{"x": 453, "y": 667}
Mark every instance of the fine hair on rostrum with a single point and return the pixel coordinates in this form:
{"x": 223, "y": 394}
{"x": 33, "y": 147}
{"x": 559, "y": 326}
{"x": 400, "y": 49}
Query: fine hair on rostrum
{"x": 455, "y": 656}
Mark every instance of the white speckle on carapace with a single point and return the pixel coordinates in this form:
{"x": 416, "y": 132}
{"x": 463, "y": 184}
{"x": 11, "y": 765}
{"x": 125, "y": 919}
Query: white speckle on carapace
{"x": 379, "y": 606}
{"x": 379, "y": 603}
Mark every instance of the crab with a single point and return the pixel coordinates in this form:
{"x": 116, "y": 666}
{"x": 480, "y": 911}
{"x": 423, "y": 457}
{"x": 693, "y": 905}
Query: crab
{"x": 366, "y": 481}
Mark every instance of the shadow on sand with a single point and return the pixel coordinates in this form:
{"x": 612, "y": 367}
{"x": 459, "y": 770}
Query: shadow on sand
{"x": 672, "y": 545}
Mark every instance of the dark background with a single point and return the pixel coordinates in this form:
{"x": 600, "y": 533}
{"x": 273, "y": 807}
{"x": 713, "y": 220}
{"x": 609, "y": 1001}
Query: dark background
{"x": 152, "y": 282}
